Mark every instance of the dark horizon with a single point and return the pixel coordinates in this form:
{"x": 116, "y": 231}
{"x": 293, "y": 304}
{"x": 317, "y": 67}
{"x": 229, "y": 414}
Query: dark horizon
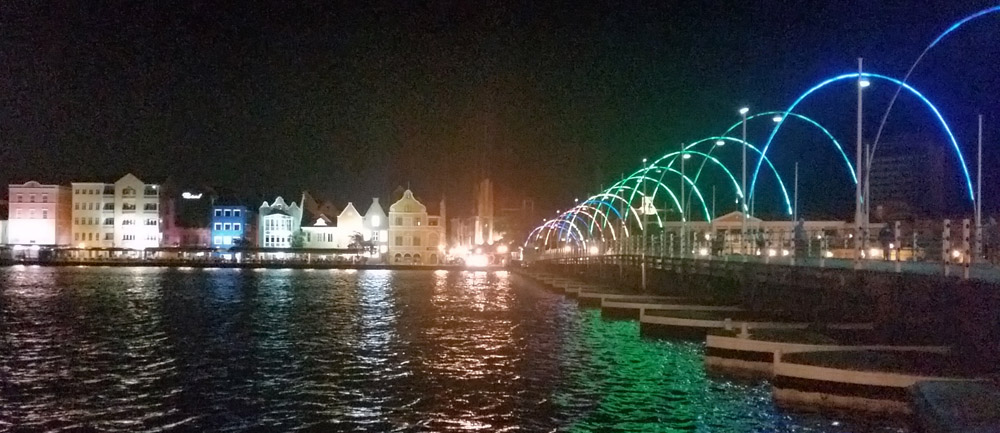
{"x": 350, "y": 102}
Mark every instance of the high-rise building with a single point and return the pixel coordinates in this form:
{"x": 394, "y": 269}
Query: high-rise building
{"x": 907, "y": 178}
{"x": 39, "y": 214}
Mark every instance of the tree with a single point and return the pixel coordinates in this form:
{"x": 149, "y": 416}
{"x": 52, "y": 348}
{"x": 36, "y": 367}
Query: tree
{"x": 357, "y": 243}
{"x": 298, "y": 239}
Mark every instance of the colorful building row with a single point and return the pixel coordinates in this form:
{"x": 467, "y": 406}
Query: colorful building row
{"x": 131, "y": 215}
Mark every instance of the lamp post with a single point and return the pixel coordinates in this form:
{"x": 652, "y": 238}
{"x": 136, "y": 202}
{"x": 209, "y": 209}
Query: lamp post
{"x": 979, "y": 191}
{"x": 743, "y": 204}
{"x": 645, "y": 224}
{"x": 857, "y": 169}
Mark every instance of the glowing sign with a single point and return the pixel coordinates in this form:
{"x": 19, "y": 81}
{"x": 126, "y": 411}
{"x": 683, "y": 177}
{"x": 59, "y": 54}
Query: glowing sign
{"x": 189, "y": 196}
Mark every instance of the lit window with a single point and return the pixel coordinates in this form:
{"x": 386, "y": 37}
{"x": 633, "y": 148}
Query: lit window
{"x": 217, "y": 240}
{"x": 227, "y": 240}
{"x": 376, "y": 220}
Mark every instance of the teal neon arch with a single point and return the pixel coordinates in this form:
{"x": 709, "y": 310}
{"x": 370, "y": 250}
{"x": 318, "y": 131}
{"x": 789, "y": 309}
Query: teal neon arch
{"x": 843, "y": 154}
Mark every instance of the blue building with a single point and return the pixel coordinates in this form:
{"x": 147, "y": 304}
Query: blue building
{"x": 229, "y": 226}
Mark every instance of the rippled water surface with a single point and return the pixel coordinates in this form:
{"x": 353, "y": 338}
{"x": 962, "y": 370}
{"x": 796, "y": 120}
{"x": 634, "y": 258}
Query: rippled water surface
{"x": 153, "y": 349}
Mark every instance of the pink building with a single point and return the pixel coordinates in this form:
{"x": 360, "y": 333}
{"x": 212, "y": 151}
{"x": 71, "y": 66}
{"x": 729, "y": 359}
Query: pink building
{"x": 39, "y": 214}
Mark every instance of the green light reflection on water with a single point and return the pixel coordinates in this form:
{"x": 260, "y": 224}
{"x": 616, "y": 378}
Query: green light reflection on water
{"x": 631, "y": 384}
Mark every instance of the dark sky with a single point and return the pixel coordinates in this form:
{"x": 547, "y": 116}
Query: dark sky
{"x": 349, "y": 101}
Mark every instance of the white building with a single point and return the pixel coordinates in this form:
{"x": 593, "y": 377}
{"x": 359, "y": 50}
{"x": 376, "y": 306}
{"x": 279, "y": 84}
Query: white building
{"x": 414, "y": 236}
{"x": 39, "y": 214}
{"x": 124, "y": 214}
{"x": 277, "y": 223}
{"x": 376, "y": 224}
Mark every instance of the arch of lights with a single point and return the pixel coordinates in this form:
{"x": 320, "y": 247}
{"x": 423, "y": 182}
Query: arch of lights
{"x": 855, "y": 75}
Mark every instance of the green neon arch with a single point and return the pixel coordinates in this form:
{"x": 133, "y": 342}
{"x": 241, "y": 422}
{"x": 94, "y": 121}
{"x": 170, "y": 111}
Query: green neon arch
{"x": 736, "y": 186}
{"x": 781, "y": 182}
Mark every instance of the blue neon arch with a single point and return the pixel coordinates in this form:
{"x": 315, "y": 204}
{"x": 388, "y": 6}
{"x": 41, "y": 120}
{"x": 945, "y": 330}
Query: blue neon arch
{"x": 944, "y": 124}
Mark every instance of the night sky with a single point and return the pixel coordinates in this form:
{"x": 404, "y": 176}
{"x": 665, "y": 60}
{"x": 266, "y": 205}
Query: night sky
{"x": 553, "y": 101}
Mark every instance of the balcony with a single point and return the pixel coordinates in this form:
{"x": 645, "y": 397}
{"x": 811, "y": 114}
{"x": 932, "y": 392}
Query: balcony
{"x": 128, "y": 207}
{"x": 151, "y": 191}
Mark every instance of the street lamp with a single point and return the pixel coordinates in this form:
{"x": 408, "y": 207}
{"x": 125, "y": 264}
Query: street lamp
{"x": 777, "y": 119}
{"x": 720, "y": 143}
{"x": 743, "y": 211}
{"x": 645, "y": 224}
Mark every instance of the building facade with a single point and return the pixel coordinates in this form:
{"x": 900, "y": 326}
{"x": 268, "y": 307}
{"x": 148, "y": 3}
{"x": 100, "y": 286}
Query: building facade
{"x": 414, "y": 236}
{"x": 229, "y": 226}
{"x": 125, "y": 214}
{"x": 39, "y": 214}
{"x": 277, "y": 223}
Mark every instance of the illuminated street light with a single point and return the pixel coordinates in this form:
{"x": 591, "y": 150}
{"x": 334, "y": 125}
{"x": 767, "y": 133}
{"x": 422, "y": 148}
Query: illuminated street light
{"x": 720, "y": 142}
{"x": 864, "y": 83}
{"x": 686, "y": 156}
{"x": 744, "y": 110}
{"x": 777, "y": 119}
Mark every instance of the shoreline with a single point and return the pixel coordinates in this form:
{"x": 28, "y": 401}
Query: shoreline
{"x": 244, "y": 265}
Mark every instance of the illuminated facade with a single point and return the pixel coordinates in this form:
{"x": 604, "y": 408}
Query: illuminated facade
{"x": 124, "y": 214}
{"x": 277, "y": 223}
{"x": 377, "y": 225}
{"x": 414, "y": 236}
{"x": 39, "y": 214}
{"x": 228, "y": 225}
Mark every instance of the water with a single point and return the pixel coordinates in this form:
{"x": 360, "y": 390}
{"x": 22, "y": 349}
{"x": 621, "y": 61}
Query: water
{"x": 154, "y": 349}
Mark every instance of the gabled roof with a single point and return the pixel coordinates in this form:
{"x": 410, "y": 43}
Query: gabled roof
{"x": 349, "y": 211}
{"x": 735, "y": 217}
{"x": 408, "y": 204}
{"x": 375, "y": 208}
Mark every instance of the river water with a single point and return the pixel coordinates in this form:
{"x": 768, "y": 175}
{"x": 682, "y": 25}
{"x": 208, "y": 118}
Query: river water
{"x": 158, "y": 349}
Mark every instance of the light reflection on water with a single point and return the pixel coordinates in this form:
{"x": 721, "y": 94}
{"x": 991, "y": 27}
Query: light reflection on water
{"x": 143, "y": 349}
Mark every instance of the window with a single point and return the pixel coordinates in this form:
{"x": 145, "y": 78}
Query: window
{"x": 109, "y": 221}
{"x": 152, "y": 237}
{"x": 399, "y": 241}
{"x": 149, "y": 206}
{"x": 236, "y": 213}
{"x": 31, "y": 213}
{"x": 128, "y": 222}
{"x": 226, "y": 226}
{"x": 90, "y": 236}
{"x": 76, "y": 236}
{"x": 128, "y": 192}
{"x": 149, "y": 190}
{"x": 399, "y": 221}
{"x": 45, "y": 198}
{"x": 218, "y": 226}
{"x": 109, "y": 190}
{"x": 228, "y": 213}
{"x": 45, "y": 214}
{"x": 76, "y": 206}
{"x": 217, "y": 240}
{"x": 418, "y": 221}
{"x": 128, "y": 237}
{"x": 432, "y": 223}
{"x": 76, "y": 220}
{"x": 416, "y": 241}
{"x": 151, "y": 221}
{"x": 109, "y": 206}
{"x": 376, "y": 220}
{"x": 218, "y": 213}
{"x": 236, "y": 226}
{"x": 90, "y": 206}
{"x": 309, "y": 236}
{"x": 76, "y": 191}
{"x": 109, "y": 236}
{"x": 31, "y": 198}
{"x": 128, "y": 206}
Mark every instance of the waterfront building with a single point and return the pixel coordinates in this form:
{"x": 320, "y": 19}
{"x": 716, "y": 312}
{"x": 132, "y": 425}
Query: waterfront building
{"x": 185, "y": 215}
{"x": 277, "y": 223}
{"x": 229, "y": 226}
{"x": 376, "y": 224}
{"x": 414, "y": 236}
{"x": 124, "y": 214}
{"x": 39, "y": 214}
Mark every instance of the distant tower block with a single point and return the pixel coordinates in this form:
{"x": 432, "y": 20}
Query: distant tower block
{"x": 484, "y": 213}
